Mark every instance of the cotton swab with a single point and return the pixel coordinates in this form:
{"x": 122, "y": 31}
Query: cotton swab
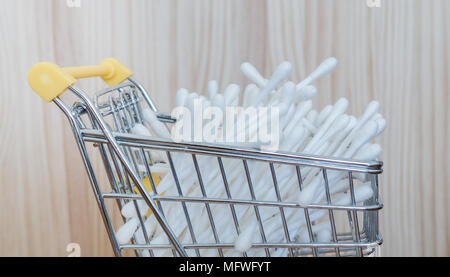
{"x": 370, "y": 111}
{"x": 219, "y": 101}
{"x": 141, "y": 130}
{"x": 157, "y": 126}
{"x": 244, "y": 241}
{"x": 249, "y": 94}
{"x": 362, "y": 193}
{"x": 310, "y": 126}
{"x": 339, "y": 124}
{"x": 129, "y": 209}
{"x": 368, "y": 152}
{"x": 324, "y": 235}
{"x": 367, "y": 133}
{"x": 283, "y": 71}
{"x": 150, "y": 227}
{"x": 288, "y": 93}
{"x": 324, "y": 68}
{"x": 213, "y": 89}
{"x": 127, "y": 230}
{"x": 252, "y": 73}
{"x": 324, "y": 114}
{"x": 305, "y": 93}
{"x": 302, "y": 129}
{"x": 232, "y": 95}
{"x": 302, "y": 110}
{"x": 381, "y": 122}
{"x": 181, "y": 97}
{"x": 339, "y": 108}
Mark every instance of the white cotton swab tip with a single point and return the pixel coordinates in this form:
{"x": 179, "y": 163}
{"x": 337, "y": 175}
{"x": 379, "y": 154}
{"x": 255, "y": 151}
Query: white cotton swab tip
{"x": 244, "y": 241}
{"x": 140, "y": 130}
{"x": 283, "y": 71}
{"x": 369, "y": 152}
{"x": 253, "y": 75}
{"x": 129, "y": 209}
{"x": 324, "y": 68}
{"x": 127, "y": 230}
{"x": 362, "y": 193}
{"x": 306, "y": 93}
{"x": 324, "y": 235}
{"x": 381, "y": 122}
{"x": 181, "y": 97}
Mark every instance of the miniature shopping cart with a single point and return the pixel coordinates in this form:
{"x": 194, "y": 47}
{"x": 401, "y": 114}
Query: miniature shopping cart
{"x": 105, "y": 123}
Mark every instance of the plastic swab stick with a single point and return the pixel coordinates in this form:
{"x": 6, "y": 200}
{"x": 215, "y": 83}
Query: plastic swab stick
{"x": 190, "y": 101}
{"x": 312, "y": 116}
{"x": 157, "y": 126}
{"x": 338, "y": 109}
{"x": 371, "y": 110}
{"x": 302, "y": 110}
{"x": 219, "y": 101}
{"x": 141, "y": 130}
{"x": 291, "y": 141}
{"x": 248, "y": 94}
{"x": 213, "y": 89}
{"x": 309, "y": 126}
{"x": 340, "y": 123}
{"x": 232, "y": 95}
{"x": 341, "y": 136}
{"x": 150, "y": 226}
{"x": 288, "y": 93}
{"x": 324, "y": 114}
{"x": 287, "y": 116}
{"x": 367, "y": 133}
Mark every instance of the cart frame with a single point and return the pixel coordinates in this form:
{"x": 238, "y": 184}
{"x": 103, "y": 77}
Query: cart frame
{"x": 119, "y": 162}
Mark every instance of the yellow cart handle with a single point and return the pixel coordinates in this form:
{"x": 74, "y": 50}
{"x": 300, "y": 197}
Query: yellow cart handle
{"x": 49, "y": 80}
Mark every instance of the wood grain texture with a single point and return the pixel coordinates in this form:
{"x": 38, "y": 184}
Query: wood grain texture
{"x": 397, "y": 54}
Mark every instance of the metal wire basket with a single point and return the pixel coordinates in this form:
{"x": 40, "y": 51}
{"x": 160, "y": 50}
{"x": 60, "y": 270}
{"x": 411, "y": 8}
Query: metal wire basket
{"x": 106, "y": 123}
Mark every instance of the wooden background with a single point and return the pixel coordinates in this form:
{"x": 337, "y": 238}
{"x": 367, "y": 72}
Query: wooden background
{"x": 397, "y": 54}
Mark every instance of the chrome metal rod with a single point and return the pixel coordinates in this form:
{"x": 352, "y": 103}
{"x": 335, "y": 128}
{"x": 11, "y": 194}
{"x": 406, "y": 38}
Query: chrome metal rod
{"x": 112, "y": 141}
{"x": 239, "y": 153}
{"x": 87, "y": 163}
{"x": 246, "y": 202}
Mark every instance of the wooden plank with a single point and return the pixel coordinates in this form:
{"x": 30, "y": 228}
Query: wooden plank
{"x": 397, "y": 54}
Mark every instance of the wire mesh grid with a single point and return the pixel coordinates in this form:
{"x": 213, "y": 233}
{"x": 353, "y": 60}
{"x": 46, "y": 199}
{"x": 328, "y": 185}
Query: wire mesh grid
{"x": 207, "y": 219}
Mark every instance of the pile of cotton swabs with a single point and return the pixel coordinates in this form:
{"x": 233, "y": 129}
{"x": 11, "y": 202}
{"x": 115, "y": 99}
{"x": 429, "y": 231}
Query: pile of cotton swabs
{"x": 329, "y": 132}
